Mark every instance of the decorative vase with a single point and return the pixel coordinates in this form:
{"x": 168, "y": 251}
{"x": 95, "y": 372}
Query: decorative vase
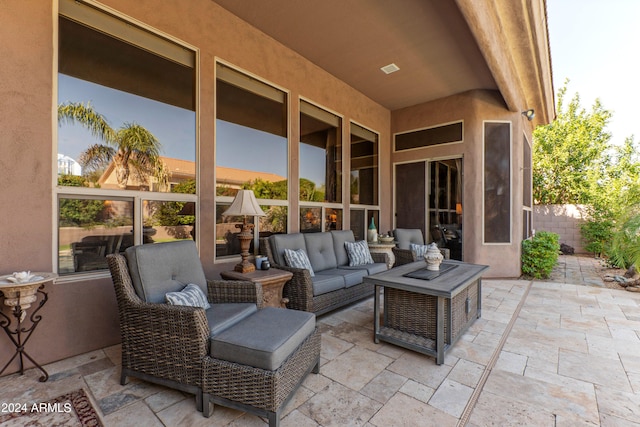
{"x": 433, "y": 257}
{"x": 372, "y": 233}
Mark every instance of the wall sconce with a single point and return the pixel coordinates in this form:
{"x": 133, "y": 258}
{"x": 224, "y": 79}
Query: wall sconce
{"x": 529, "y": 114}
{"x": 245, "y": 204}
{"x": 459, "y": 208}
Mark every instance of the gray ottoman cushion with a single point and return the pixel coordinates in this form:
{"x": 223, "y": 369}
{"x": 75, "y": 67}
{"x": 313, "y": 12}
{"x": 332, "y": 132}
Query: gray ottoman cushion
{"x": 223, "y": 316}
{"x": 326, "y": 281}
{"x": 164, "y": 267}
{"x": 264, "y": 340}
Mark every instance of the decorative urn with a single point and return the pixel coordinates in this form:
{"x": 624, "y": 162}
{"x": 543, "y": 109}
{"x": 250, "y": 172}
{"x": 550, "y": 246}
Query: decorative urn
{"x": 433, "y": 257}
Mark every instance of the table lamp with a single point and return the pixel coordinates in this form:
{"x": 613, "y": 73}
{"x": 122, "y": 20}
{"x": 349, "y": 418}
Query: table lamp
{"x": 245, "y": 204}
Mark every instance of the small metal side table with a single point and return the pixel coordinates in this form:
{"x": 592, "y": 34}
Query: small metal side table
{"x": 20, "y": 296}
{"x": 272, "y": 282}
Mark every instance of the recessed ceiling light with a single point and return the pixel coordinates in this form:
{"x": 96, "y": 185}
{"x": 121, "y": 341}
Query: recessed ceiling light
{"x": 391, "y": 68}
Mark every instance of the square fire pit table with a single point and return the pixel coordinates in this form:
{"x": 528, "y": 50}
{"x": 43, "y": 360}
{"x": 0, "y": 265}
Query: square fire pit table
{"x": 427, "y": 311}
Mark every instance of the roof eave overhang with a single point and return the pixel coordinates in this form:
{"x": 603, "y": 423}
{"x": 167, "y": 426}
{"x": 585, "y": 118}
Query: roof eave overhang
{"x": 513, "y": 38}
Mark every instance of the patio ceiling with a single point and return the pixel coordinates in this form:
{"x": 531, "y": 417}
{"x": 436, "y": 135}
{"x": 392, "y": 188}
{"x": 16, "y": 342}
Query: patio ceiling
{"x": 431, "y": 41}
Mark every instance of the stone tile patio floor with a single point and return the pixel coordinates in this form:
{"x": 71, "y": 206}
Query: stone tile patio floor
{"x": 544, "y": 353}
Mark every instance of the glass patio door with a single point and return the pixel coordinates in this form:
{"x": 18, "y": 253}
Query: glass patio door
{"x": 428, "y": 196}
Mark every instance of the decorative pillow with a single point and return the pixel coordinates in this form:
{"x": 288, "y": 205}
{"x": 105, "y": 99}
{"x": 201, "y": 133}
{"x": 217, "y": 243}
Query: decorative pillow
{"x": 418, "y": 250}
{"x": 191, "y": 295}
{"x": 298, "y": 259}
{"x": 358, "y": 253}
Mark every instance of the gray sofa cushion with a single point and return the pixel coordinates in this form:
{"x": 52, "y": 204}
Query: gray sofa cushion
{"x": 377, "y": 267}
{"x": 326, "y": 281}
{"x": 351, "y": 277}
{"x": 280, "y": 242}
{"x": 164, "y": 267}
{"x": 320, "y": 251}
{"x": 222, "y": 316}
{"x": 406, "y": 236}
{"x": 264, "y": 340}
{"x": 339, "y": 237}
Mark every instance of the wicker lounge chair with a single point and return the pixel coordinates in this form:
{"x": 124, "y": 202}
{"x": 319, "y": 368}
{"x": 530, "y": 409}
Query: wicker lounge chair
{"x": 173, "y": 345}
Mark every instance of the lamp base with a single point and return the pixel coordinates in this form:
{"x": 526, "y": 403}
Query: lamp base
{"x": 244, "y": 267}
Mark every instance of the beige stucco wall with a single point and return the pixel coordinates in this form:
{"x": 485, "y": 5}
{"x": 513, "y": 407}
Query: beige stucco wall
{"x": 81, "y": 315}
{"x": 473, "y": 108}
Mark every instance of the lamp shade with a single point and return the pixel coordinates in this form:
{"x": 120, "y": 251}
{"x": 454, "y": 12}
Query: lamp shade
{"x": 245, "y": 203}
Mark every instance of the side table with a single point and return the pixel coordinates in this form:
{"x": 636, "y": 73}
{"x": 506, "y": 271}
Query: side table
{"x": 272, "y": 282}
{"x": 20, "y": 296}
{"x": 384, "y": 248}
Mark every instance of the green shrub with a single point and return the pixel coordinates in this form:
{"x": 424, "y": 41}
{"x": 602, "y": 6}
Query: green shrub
{"x": 596, "y": 233}
{"x": 540, "y": 254}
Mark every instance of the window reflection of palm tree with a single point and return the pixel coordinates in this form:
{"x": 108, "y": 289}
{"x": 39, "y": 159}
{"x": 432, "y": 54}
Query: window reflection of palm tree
{"x": 131, "y": 148}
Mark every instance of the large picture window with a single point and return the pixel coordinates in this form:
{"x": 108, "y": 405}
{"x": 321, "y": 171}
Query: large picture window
{"x": 251, "y": 153}
{"x": 126, "y": 137}
{"x": 363, "y": 186}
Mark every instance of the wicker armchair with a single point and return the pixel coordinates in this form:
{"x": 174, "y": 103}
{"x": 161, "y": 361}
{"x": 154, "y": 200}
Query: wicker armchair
{"x": 166, "y": 344}
{"x": 235, "y": 354}
{"x": 404, "y": 238}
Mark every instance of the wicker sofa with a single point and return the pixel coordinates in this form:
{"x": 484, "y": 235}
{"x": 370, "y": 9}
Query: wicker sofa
{"x": 334, "y": 283}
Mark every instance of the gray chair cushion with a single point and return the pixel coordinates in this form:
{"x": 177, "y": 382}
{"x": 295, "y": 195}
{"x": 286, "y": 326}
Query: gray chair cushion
{"x": 264, "y": 340}
{"x": 377, "y": 267}
{"x": 159, "y": 268}
{"x": 222, "y": 316}
{"x": 339, "y": 237}
{"x": 406, "y": 236}
{"x": 326, "y": 281}
{"x": 280, "y": 242}
{"x": 320, "y": 251}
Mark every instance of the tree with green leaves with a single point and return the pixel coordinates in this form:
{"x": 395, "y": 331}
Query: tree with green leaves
{"x": 132, "y": 148}
{"x": 571, "y": 154}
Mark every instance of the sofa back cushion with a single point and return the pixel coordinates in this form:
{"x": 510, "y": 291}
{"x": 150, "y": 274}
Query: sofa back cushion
{"x": 320, "y": 251}
{"x": 280, "y": 242}
{"x": 159, "y": 268}
{"x": 406, "y": 236}
{"x": 339, "y": 238}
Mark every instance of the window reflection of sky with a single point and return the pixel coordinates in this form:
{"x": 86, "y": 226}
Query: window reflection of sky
{"x": 174, "y": 127}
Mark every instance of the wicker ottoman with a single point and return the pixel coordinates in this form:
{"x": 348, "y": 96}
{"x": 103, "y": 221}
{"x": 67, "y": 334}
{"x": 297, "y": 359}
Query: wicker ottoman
{"x": 257, "y": 365}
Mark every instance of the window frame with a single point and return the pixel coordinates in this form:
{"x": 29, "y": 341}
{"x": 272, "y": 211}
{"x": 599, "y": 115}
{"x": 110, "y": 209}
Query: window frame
{"x": 136, "y": 196}
{"x": 227, "y": 200}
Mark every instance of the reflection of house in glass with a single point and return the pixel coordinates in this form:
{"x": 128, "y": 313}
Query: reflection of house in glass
{"x": 183, "y": 170}
{"x": 68, "y": 166}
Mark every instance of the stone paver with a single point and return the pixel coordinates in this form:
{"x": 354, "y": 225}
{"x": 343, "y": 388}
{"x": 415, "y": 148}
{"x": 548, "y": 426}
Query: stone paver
{"x": 564, "y": 351}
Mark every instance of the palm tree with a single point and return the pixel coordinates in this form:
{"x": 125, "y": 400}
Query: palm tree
{"x": 131, "y": 148}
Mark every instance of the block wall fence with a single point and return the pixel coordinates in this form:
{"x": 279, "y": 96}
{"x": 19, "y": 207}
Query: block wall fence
{"x": 564, "y": 220}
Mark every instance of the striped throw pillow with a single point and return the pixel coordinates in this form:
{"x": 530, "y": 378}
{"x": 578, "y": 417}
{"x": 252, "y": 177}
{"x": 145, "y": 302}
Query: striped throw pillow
{"x": 298, "y": 259}
{"x": 191, "y": 295}
{"x": 358, "y": 253}
{"x": 418, "y": 250}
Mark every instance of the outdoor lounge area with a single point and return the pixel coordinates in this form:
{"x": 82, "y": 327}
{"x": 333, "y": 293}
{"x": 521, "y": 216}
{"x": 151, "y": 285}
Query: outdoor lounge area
{"x": 542, "y": 354}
